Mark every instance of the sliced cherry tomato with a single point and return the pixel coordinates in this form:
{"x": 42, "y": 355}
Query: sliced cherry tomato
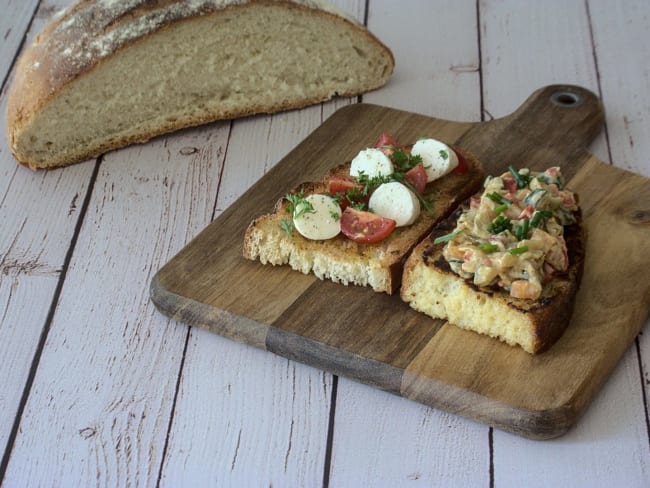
{"x": 385, "y": 139}
{"x": 462, "y": 167}
{"x": 365, "y": 227}
{"x": 527, "y": 212}
{"x": 386, "y": 144}
{"x": 340, "y": 185}
{"x": 417, "y": 177}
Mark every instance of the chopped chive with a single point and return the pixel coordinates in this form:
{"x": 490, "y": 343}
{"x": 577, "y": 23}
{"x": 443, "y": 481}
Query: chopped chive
{"x": 519, "y": 250}
{"x": 447, "y": 237}
{"x": 521, "y": 232}
{"x": 495, "y": 197}
{"x": 501, "y": 208}
{"x": 522, "y": 180}
{"x": 488, "y": 247}
{"x": 500, "y": 224}
{"x": 538, "y": 215}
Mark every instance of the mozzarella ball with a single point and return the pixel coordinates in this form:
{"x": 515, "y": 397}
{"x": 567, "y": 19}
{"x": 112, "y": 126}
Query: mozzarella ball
{"x": 395, "y": 201}
{"x": 438, "y": 158}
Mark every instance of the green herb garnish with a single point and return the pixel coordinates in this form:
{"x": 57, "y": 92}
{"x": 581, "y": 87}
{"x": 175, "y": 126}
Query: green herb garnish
{"x": 427, "y": 205}
{"x": 501, "y": 208}
{"x": 488, "y": 247}
{"x": 519, "y": 250}
{"x": 500, "y": 224}
{"x": 522, "y": 180}
{"x": 404, "y": 162}
{"x": 521, "y": 231}
{"x": 447, "y": 237}
{"x": 495, "y": 197}
{"x": 539, "y": 215}
{"x": 335, "y": 216}
{"x": 298, "y": 205}
{"x": 287, "y": 226}
{"x": 444, "y": 154}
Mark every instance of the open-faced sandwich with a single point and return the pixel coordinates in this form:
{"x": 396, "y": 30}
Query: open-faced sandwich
{"x": 358, "y": 224}
{"x": 507, "y": 264}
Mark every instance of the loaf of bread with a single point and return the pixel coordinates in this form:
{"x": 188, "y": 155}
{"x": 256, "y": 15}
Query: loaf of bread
{"x": 432, "y": 287}
{"x": 108, "y": 73}
{"x": 342, "y": 260}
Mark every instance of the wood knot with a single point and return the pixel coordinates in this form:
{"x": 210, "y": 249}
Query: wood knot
{"x": 639, "y": 216}
{"x": 188, "y": 150}
{"x": 87, "y": 433}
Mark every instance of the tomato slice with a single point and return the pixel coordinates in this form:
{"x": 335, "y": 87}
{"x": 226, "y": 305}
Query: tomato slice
{"x": 340, "y": 185}
{"x": 386, "y": 143}
{"x": 365, "y": 227}
{"x": 462, "y": 167}
{"x": 417, "y": 177}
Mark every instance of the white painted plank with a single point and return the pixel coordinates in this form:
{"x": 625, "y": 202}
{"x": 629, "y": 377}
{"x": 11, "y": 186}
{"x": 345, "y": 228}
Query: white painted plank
{"x": 24, "y": 304}
{"x": 436, "y": 57}
{"x": 107, "y": 376}
{"x": 245, "y": 417}
{"x": 622, "y": 35}
{"x": 14, "y": 21}
{"x": 38, "y": 214}
{"x": 381, "y": 439}
{"x": 526, "y": 46}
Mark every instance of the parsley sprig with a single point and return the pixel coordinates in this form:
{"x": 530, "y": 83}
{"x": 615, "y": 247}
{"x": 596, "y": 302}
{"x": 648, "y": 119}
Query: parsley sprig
{"x": 298, "y": 205}
{"x": 403, "y": 162}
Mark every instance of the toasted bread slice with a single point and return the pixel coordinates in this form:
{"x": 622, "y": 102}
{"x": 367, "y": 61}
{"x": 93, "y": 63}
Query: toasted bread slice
{"x": 430, "y": 286}
{"x": 344, "y": 261}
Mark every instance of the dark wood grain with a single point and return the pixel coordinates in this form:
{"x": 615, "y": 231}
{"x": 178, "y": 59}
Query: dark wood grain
{"x": 377, "y": 339}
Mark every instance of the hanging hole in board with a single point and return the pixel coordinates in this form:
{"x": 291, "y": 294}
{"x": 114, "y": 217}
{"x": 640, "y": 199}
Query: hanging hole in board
{"x": 566, "y": 99}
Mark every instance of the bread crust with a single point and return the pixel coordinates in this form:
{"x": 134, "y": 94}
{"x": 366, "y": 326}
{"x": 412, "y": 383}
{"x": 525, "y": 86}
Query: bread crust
{"x": 88, "y": 33}
{"x": 545, "y": 319}
{"x": 377, "y": 265}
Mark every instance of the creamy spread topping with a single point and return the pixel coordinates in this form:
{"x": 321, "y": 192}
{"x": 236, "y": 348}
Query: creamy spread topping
{"x": 512, "y": 236}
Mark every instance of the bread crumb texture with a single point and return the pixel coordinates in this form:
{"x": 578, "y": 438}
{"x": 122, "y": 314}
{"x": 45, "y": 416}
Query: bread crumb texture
{"x": 448, "y": 296}
{"x": 266, "y": 242}
{"x": 108, "y": 73}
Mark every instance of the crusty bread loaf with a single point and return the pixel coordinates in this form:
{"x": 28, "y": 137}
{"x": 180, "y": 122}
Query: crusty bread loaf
{"x": 108, "y": 73}
{"x": 344, "y": 261}
{"x": 430, "y": 286}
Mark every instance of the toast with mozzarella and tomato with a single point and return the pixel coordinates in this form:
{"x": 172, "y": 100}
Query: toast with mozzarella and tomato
{"x": 358, "y": 224}
{"x": 506, "y": 264}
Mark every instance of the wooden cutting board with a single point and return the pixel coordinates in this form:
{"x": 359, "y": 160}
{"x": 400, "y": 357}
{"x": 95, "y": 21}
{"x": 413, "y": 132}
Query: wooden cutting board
{"x": 376, "y": 338}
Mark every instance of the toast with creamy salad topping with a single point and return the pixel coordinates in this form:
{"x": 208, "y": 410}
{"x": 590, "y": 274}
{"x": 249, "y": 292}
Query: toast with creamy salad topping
{"x": 507, "y": 264}
{"x": 358, "y": 224}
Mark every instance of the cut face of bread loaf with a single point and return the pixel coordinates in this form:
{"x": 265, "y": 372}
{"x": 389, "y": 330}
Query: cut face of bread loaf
{"x": 430, "y": 286}
{"x": 342, "y": 260}
{"x": 108, "y": 73}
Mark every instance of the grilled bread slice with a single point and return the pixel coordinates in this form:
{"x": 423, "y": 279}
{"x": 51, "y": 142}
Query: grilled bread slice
{"x": 342, "y": 260}
{"x": 430, "y": 286}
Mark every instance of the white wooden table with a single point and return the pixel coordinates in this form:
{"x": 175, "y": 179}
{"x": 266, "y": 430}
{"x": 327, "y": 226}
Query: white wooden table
{"x": 98, "y": 388}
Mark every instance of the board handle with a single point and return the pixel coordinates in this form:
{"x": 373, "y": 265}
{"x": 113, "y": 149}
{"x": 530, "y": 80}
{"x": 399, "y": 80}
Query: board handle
{"x": 553, "y": 127}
